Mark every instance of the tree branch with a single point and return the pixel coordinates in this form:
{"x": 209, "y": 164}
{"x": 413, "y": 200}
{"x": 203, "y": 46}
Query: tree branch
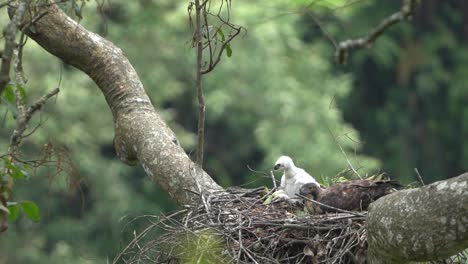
{"x": 343, "y": 48}
{"x": 140, "y": 133}
{"x": 422, "y": 224}
{"x": 200, "y": 96}
{"x": 10, "y": 35}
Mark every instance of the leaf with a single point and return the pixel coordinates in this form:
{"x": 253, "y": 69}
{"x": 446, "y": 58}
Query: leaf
{"x": 220, "y": 32}
{"x": 8, "y": 98}
{"x": 9, "y": 94}
{"x": 228, "y": 50}
{"x": 10, "y": 107}
{"x": 14, "y": 212}
{"x": 31, "y": 210}
{"x": 15, "y": 171}
{"x": 268, "y": 200}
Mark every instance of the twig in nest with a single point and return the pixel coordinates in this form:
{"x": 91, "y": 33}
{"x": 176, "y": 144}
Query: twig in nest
{"x": 330, "y": 207}
{"x": 419, "y": 176}
{"x": 273, "y": 179}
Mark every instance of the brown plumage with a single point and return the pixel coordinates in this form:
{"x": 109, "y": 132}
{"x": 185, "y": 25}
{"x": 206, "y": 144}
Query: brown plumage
{"x": 351, "y": 195}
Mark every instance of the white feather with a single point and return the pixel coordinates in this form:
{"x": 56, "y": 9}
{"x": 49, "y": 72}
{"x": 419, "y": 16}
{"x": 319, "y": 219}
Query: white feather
{"x": 293, "y": 177}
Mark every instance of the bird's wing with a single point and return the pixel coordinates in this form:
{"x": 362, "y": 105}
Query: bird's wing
{"x": 303, "y": 177}
{"x": 283, "y": 182}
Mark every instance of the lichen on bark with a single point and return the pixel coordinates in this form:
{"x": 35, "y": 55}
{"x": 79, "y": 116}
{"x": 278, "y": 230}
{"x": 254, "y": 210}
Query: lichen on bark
{"x": 421, "y": 224}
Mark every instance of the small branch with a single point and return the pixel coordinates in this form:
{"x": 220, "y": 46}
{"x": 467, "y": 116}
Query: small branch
{"x": 201, "y": 99}
{"x": 236, "y": 31}
{"x": 24, "y": 119}
{"x": 321, "y": 27}
{"x": 343, "y": 152}
{"x": 10, "y": 35}
{"x": 5, "y": 3}
{"x": 19, "y": 77}
{"x": 405, "y": 13}
{"x": 34, "y": 20}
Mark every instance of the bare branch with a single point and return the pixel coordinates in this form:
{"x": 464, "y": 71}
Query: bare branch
{"x": 407, "y": 9}
{"x": 25, "y": 117}
{"x": 201, "y": 98}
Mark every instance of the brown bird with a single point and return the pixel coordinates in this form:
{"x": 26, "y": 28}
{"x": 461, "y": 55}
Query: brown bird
{"x": 351, "y": 195}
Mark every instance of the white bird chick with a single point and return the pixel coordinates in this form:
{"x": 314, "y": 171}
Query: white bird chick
{"x": 293, "y": 177}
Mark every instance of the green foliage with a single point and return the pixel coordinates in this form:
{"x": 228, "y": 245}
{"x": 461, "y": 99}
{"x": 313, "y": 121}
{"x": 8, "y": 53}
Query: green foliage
{"x": 9, "y": 94}
{"x": 8, "y": 98}
{"x": 228, "y": 50}
{"x": 31, "y": 210}
{"x": 13, "y": 212}
{"x": 202, "y": 247}
{"x": 331, "y": 4}
{"x": 16, "y": 171}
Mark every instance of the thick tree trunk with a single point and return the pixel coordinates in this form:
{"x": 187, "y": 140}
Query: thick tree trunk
{"x": 140, "y": 133}
{"x": 422, "y": 224}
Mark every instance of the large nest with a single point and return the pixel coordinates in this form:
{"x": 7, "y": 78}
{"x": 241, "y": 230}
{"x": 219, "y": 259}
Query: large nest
{"x": 238, "y": 226}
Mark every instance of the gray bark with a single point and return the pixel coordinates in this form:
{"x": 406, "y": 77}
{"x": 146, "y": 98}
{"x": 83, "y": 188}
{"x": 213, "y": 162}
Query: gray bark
{"x": 421, "y": 224}
{"x": 140, "y": 133}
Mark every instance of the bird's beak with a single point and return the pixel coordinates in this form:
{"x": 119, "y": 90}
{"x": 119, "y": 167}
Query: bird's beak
{"x": 304, "y": 191}
{"x": 277, "y": 166}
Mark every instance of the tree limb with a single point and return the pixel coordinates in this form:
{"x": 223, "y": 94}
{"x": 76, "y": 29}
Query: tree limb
{"x": 343, "y": 48}
{"x": 140, "y": 133}
{"x": 422, "y": 224}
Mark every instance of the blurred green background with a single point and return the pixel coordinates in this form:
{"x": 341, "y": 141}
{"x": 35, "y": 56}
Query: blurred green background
{"x": 401, "y": 105}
